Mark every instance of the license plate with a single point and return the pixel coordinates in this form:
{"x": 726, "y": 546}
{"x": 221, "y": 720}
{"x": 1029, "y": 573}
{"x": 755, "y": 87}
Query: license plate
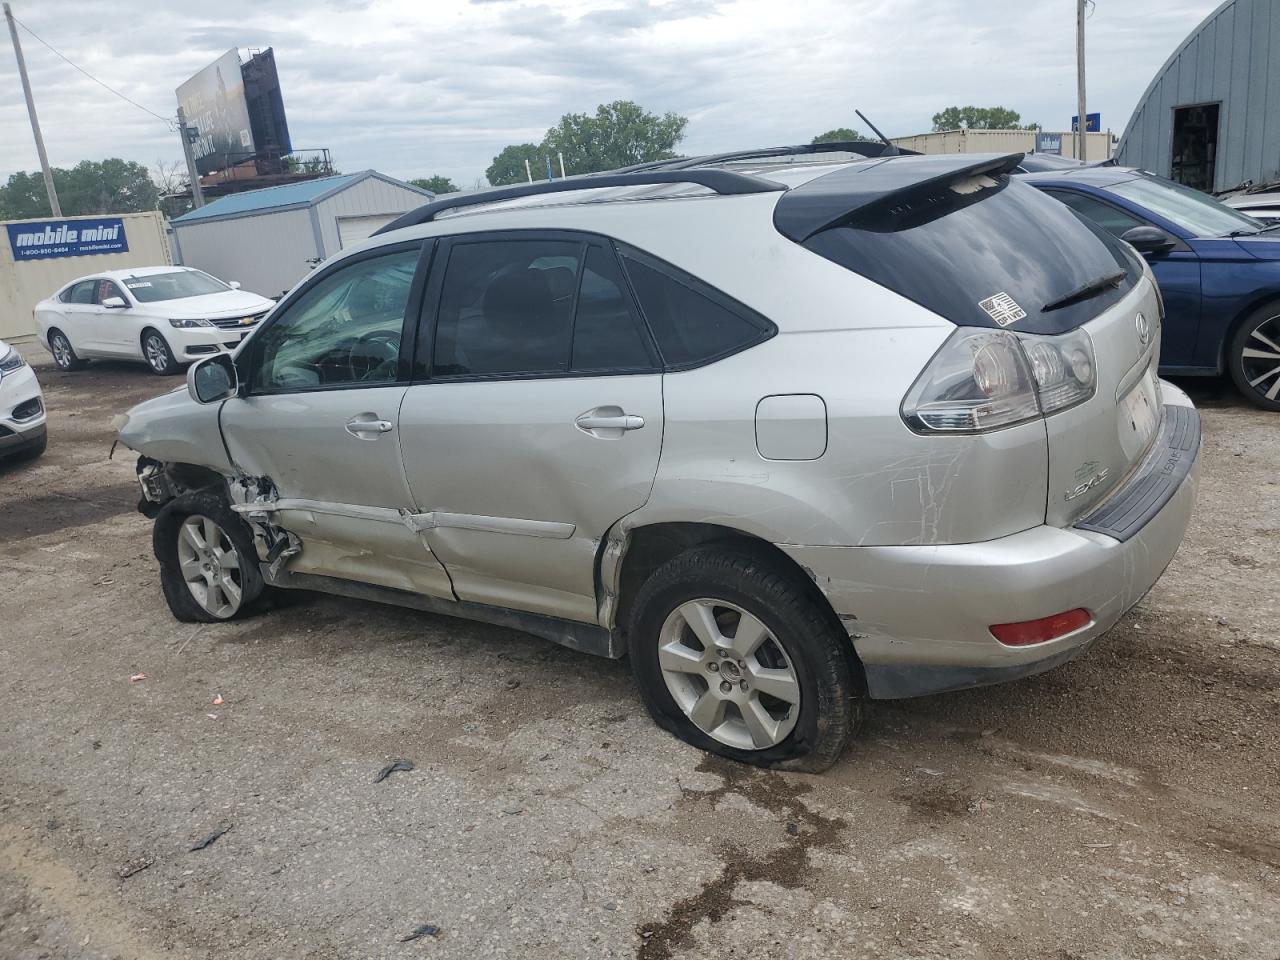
{"x": 1140, "y": 414}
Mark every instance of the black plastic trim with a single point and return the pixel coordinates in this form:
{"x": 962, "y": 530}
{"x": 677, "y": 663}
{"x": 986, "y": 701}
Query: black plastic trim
{"x": 722, "y": 182}
{"x": 1155, "y": 482}
{"x": 828, "y": 201}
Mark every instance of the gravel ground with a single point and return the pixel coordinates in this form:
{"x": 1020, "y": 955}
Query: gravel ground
{"x": 1124, "y": 805}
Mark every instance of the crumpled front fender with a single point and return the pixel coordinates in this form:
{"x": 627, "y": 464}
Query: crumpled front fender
{"x": 173, "y": 428}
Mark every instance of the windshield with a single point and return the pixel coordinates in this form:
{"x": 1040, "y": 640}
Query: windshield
{"x": 1190, "y": 209}
{"x": 173, "y": 286}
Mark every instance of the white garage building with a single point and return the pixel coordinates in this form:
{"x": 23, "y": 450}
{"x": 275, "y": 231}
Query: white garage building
{"x": 270, "y": 239}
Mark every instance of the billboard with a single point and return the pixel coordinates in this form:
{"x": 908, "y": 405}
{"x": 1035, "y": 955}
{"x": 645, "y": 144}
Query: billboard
{"x": 1092, "y": 123}
{"x": 84, "y": 236}
{"x": 270, "y": 129}
{"x": 214, "y": 103}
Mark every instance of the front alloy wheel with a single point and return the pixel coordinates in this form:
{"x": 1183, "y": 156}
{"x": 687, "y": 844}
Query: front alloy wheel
{"x": 159, "y": 357}
{"x": 210, "y": 566}
{"x": 729, "y": 674}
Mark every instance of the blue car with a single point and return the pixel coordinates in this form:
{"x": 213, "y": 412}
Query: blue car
{"x": 1218, "y": 270}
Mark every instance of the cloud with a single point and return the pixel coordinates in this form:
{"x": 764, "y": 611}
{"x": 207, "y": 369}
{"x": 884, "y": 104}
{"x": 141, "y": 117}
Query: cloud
{"x": 412, "y": 89}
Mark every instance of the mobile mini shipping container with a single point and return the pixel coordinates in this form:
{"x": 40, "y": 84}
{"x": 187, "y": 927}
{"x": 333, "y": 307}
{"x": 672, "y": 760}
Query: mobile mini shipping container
{"x": 39, "y": 256}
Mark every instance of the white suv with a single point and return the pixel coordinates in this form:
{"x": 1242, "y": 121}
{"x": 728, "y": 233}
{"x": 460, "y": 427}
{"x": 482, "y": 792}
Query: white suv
{"x": 791, "y": 430}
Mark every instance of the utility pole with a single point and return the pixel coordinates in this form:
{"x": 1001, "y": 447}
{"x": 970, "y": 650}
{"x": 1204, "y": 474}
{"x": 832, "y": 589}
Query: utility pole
{"x": 31, "y": 112}
{"x": 1082, "y": 125}
{"x": 189, "y": 135}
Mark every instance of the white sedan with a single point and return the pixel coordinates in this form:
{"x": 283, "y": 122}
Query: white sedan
{"x": 166, "y": 316}
{"x": 22, "y": 416}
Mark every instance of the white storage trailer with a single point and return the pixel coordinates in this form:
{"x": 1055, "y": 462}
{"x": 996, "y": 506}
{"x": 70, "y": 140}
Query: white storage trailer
{"x": 39, "y": 256}
{"x": 270, "y": 239}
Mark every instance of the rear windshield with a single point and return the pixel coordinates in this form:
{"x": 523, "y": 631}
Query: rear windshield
{"x": 173, "y": 286}
{"x": 986, "y": 252}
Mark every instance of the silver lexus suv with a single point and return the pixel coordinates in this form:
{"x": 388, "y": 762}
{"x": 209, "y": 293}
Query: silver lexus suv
{"x": 793, "y": 429}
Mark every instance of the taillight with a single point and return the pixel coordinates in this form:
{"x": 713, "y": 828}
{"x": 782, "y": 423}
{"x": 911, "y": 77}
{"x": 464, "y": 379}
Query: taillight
{"x": 986, "y": 379}
{"x": 1026, "y": 632}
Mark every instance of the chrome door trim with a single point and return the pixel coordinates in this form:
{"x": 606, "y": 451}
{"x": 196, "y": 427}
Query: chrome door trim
{"x": 417, "y": 522}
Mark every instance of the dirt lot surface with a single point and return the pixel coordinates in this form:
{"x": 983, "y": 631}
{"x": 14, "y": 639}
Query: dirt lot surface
{"x": 1124, "y": 805}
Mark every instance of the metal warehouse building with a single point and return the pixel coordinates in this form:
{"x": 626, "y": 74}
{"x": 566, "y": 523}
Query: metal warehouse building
{"x": 1211, "y": 117}
{"x": 269, "y": 239}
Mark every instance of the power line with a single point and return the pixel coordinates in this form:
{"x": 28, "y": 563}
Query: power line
{"x": 39, "y": 39}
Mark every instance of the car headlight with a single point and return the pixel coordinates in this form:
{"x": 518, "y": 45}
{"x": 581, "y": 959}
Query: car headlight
{"x": 12, "y": 360}
{"x": 187, "y": 324}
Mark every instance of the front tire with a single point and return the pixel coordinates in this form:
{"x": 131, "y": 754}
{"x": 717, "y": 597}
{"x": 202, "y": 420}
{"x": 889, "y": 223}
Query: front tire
{"x": 208, "y": 564}
{"x": 158, "y": 354}
{"x": 738, "y": 658}
{"x": 1253, "y": 357}
{"x": 64, "y": 355}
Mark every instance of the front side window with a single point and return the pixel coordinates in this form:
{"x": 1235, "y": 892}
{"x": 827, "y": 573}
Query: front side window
{"x": 344, "y": 330}
{"x": 178, "y": 285}
{"x": 104, "y": 290}
{"x": 1111, "y": 219}
{"x": 536, "y": 307}
{"x": 1196, "y": 212}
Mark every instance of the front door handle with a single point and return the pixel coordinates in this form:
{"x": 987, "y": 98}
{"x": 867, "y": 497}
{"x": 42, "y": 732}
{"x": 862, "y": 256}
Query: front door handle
{"x": 621, "y": 422}
{"x": 367, "y": 426}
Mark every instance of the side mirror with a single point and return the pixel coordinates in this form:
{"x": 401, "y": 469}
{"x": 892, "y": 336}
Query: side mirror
{"x": 1148, "y": 240}
{"x": 213, "y": 379}
{"x": 233, "y": 284}
{"x": 114, "y": 303}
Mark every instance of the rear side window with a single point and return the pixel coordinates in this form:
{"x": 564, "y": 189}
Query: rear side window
{"x": 692, "y": 323}
{"x": 81, "y": 292}
{"x": 954, "y": 248}
{"x": 535, "y": 308}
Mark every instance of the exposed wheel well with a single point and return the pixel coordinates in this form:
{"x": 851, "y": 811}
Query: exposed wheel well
{"x": 48, "y": 336}
{"x": 651, "y": 546}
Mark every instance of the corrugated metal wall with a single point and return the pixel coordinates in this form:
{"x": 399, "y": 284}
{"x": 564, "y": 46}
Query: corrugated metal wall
{"x": 267, "y": 253}
{"x": 368, "y": 197}
{"x": 1232, "y": 58}
{"x": 999, "y": 141}
{"x": 23, "y": 285}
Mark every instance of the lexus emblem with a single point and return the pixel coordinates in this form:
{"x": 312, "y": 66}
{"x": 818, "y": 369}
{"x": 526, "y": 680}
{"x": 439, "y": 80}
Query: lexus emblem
{"x": 1144, "y": 329}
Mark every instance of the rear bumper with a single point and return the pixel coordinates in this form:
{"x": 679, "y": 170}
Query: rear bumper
{"x": 919, "y": 616}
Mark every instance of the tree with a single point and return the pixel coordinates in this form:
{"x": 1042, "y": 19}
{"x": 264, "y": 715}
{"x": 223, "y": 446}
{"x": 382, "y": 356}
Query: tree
{"x": 508, "y": 166}
{"x": 619, "y": 134}
{"x": 171, "y": 180}
{"x": 436, "y": 184}
{"x": 837, "y": 135}
{"x": 101, "y": 186}
{"x": 980, "y": 118}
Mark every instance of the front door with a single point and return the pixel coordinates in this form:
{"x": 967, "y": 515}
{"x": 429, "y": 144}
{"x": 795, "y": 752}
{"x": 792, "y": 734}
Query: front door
{"x": 540, "y": 422}
{"x": 113, "y": 331}
{"x": 326, "y": 378}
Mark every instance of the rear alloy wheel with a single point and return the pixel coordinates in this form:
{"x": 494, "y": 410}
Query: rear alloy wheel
{"x": 159, "y": 357}
{"x": 63, "y": 353}
{"x": 1254, "y": 358}
{"x": 738, "y": 657}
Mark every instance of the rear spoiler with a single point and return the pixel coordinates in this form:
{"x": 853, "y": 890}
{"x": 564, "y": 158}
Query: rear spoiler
{"x": 833, "y": 199}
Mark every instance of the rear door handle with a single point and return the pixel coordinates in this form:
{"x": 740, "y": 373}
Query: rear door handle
{"x": 367, "y": 426}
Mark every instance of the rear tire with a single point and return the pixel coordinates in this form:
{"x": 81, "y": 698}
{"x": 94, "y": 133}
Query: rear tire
{"x": 723, "y": 699}
{"x": 158, "y": 354}
{"x": 208, "y": 563}
{"x": 1257, "y": 375}
{"x": 64, "y": 355}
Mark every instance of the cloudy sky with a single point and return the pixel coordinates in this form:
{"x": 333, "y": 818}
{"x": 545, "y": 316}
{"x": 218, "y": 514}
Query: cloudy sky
{"x": 416, "y": 87}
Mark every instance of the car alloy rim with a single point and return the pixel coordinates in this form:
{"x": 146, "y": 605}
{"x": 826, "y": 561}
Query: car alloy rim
{"x": 1261, "y": 358}
{"x": 157, "y": 353}
{"x": 729, "y": 674}
{"x": 210, "y": 566}
{"x": 61, "y": 352}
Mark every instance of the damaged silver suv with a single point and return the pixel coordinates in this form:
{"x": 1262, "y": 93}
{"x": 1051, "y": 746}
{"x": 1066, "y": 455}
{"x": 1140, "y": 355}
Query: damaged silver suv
{"x": 793, "y": 429}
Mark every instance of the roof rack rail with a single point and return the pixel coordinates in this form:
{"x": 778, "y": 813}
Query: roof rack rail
{"x": 870, "y": 149}
{"x": 723, "y": 182}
